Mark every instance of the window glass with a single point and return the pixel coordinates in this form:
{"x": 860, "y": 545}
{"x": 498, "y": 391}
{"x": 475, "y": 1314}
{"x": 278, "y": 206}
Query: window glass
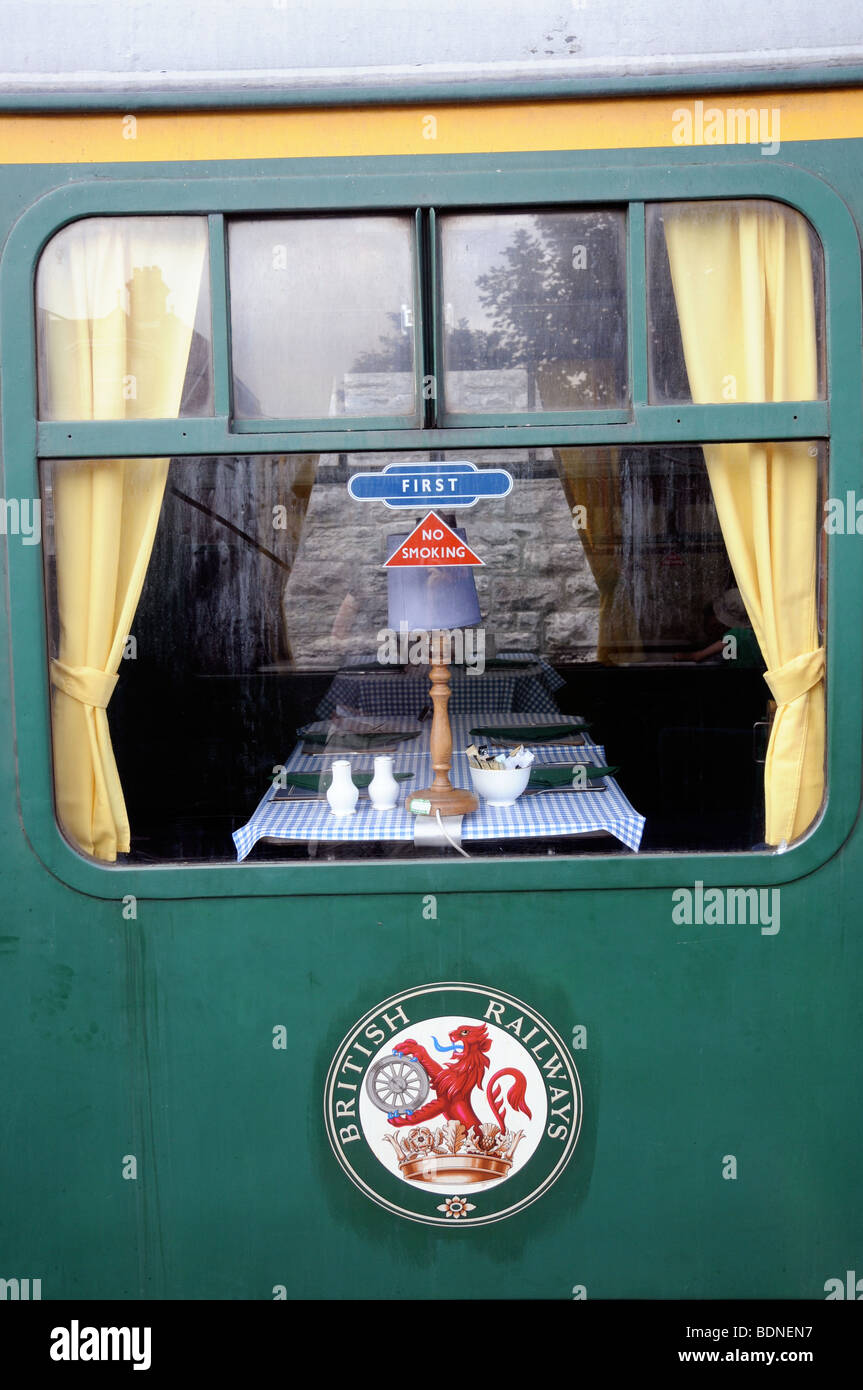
{"x": 322, "y": 317}
{"x": 534, "y": 311}
{"x": 619, "y": 608}
{"x": 123, "y": 320}
{"x": 267, "y": 637}
{"x": 735, "y": 303}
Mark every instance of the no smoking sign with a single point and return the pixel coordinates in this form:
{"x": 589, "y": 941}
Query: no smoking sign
{"x": 432, "y": 543}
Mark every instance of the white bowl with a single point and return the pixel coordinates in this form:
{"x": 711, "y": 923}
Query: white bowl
{"x": 500, "y": 788}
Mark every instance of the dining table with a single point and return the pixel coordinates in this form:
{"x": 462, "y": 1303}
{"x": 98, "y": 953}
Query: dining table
{"x": 585, "y": 806}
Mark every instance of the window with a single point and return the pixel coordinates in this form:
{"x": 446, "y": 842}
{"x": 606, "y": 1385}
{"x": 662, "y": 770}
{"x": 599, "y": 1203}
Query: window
{"x": 123, "y": 308}
{"x": 308, "y": 297}
{"x": 632, "y": 587}
{"x": 534, "y": 311}
{"x": 747, "y": 247}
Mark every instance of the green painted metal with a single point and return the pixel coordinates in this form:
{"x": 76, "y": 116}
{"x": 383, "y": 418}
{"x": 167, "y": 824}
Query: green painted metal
{"x": 636, "y": 303}
{"x": 152, "y": 1036}
{"x": 722, "y": 80}
{"x": 419, "y": 312}
{"x": 436, "y": 319}
{"x": 220, "y": 310}
{"x": 331, "y": 430}
{"x": 664, "y": 424}
{"x": 536, "y": 420}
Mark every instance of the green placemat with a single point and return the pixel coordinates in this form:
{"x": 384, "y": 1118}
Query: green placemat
{"x": 529, "y": 733}
{"x": 345, "y": 739}
{"x": 562, "y": 776}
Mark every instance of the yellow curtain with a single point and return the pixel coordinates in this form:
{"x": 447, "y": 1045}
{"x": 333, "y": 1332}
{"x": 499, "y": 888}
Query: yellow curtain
{"x": 742, "y": 277}
{"x": 591, "y": 480}
{"x": 117, "y": 301}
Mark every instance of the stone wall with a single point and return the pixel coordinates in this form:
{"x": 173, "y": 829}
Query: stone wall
{"x": 536, "y": 591}
{"x": 228, "y": 591}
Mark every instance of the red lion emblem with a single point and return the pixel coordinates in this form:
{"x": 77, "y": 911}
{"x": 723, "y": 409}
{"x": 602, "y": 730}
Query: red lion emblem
{"x": 455, "y": 1081}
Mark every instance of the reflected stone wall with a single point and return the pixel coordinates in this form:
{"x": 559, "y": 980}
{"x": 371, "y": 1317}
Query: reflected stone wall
{"x": 229, "y": 592}
{"x": 536, "y": 590}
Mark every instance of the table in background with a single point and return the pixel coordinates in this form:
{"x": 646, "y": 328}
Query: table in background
{"x": 549, "y": 814}
{"x": 389, "y": 690}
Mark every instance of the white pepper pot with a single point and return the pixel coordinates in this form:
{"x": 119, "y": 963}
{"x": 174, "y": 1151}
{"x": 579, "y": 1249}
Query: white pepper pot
{"x": 383, "y": 788}
{"x": 341, "y": 793}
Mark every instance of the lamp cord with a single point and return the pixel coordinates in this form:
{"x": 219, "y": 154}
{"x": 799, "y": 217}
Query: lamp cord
{"x": 449, "y": 837}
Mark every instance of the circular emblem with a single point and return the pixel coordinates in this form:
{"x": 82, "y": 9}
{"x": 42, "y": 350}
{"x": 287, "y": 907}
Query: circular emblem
{"x": 453, "y": 1104}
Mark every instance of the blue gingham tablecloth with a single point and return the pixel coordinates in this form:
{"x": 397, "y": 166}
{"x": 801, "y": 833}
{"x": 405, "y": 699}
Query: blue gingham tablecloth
{"x": 551, "y": 814}
{"x": 397, "y": 691}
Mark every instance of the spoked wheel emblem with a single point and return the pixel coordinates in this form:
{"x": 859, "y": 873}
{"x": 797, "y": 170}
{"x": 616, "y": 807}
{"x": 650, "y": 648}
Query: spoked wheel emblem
{"x": 397, "y": 1085}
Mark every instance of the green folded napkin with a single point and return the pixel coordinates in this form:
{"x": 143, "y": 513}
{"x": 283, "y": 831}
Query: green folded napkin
{"x": 343, "y": 738}
{"x": 316, "y": 782}
{"x": 562, "y": 776}
{"x": 530, "y": 733}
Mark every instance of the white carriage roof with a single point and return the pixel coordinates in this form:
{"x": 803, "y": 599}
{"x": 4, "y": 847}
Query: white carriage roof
{"x": 164, "y": 45}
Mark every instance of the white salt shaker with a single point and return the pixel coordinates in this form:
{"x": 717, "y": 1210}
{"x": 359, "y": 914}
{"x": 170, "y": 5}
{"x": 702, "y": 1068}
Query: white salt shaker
{"x": 342, "y": 793}
{"x": 383, "y": 788}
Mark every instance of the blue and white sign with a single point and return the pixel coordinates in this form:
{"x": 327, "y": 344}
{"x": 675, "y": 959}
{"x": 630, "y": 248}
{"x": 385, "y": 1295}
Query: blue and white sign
{"x": 456, "y": 482}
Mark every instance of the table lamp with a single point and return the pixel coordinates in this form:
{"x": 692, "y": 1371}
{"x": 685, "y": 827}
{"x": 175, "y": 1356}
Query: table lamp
{"x": 435, "y": 599}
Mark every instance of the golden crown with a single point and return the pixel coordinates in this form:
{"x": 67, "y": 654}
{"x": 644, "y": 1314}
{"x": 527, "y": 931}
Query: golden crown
{"x": 451, "y": 1153}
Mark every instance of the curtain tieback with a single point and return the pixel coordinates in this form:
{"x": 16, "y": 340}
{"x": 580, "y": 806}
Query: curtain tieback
{"x": 83, "y": 683}
{"x": 798, "y": 675}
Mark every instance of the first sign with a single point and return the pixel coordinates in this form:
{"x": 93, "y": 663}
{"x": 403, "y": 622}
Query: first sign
{"x": 458, "y": 483}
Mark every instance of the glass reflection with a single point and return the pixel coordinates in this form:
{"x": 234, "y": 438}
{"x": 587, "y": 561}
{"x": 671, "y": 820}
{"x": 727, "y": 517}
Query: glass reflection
{"x": 735, "y": 303}
{"x": 123, "y": 320}
{"x": 310, "y": 296}
{"x": 534, "y": 311}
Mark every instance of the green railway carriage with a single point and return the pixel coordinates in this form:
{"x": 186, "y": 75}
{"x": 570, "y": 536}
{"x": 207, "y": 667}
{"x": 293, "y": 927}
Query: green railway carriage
{"x": 602, "y": 1039}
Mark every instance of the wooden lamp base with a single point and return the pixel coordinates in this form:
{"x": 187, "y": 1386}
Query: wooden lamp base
{"x": 444, "y": 797}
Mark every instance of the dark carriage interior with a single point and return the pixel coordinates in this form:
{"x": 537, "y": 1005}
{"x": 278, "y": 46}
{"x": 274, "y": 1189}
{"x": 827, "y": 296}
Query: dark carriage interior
{"x": 677, "y": 733}
{"x": 213, "y": 698}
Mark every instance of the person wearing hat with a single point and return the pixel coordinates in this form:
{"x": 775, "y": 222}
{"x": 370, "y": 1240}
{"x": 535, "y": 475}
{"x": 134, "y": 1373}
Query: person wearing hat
{"x": 726, "y": 622}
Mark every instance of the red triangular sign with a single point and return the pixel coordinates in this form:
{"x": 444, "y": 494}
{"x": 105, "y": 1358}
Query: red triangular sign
{"x": 432, "y": 543}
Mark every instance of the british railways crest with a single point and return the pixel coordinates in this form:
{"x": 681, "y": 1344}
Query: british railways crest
{"x": 453, "y": 1104}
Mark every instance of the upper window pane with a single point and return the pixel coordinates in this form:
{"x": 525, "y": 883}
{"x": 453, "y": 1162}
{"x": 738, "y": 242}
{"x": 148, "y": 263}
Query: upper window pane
{"x": 735, "y": 303}
{"x": 534, "y": 311}
{"x": 322, "y": 317}
{"x": 124, "y": 328}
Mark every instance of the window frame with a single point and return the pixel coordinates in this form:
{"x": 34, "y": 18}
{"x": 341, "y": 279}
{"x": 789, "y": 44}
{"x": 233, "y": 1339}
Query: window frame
{"x": 478, "y": 182}
{"x": 450, "y": 419}
{"x": 220, "y": 252}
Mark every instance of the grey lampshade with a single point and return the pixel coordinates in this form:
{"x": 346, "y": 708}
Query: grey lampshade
{"x": 425, "y": 597}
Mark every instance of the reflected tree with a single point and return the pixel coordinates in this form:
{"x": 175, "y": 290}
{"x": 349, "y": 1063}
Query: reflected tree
{"x": 468, "y": 349}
